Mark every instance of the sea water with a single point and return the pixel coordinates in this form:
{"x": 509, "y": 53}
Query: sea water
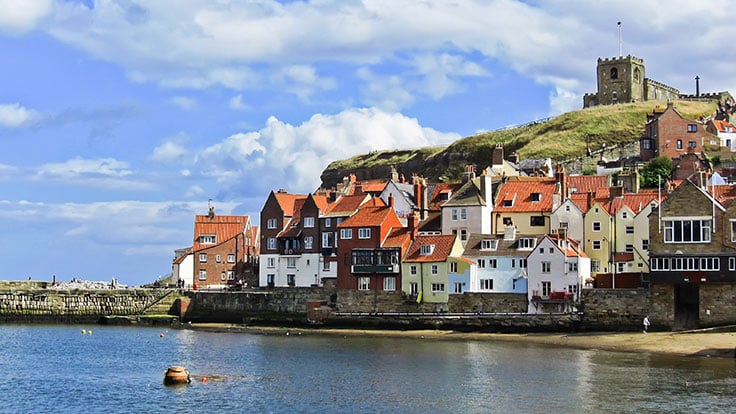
{"x": 99, "y": 369}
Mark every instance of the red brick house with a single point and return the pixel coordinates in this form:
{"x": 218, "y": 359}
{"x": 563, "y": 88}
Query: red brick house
{"x": 224, "y": 249}
{"x": 276, "y": 215}
{"x": 671, "y": 135}
{"x": 369, "y": 248}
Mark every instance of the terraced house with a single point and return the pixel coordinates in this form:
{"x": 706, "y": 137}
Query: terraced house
{"x": 427, "y": 266}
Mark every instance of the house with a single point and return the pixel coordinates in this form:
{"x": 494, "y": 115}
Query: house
{"x": 298, "y": 244}
{"x": 692, "y": 257}
{"x": 669, "y": 134}
{"x": 182, "y": 269}
{"x": 370, "y": 245}
{"x": 427, "y": 265}
{"x": 223, "y": 250}
{"x": 557, "y": 269}
{"x": 725, "y": 131}
{"x": 469, "y": 209}
{"x": 527, "y": 203}
{"x": 501, "y": 264}
{"x": 277, "y": 214}
{"x": 336, "y": 212}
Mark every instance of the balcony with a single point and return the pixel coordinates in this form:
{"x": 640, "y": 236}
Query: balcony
{"x": 375, "y": 268}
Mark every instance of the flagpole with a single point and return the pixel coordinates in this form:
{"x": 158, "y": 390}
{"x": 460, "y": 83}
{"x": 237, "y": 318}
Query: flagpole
{"x": 620, "y": 48}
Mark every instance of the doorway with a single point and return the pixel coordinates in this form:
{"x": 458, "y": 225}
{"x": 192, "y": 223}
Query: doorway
{"x": 687, "y": 307}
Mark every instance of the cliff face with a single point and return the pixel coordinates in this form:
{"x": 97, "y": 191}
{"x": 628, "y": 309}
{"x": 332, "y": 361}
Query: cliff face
{"x": 566, "y": 137}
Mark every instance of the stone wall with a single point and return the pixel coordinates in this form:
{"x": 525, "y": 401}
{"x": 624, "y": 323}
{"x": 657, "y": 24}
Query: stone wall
{"x": 618, "y": 309}
{"x": 41, "y": 305}
{"x": 717, "y": 305}
{"x": 489, "y": 302}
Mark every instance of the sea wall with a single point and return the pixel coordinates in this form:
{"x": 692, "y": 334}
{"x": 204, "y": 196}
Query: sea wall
{"x": 25, "y": 303}
{"x": 617, "y": 309}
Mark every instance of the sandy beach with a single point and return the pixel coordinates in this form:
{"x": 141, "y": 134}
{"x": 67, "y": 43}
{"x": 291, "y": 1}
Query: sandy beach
{"x": 703, "y": 343}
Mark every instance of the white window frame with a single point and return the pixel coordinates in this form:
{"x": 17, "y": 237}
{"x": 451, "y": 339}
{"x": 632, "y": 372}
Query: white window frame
{"x": 438, "y": 287}
{"x": 413, "y": 270}
{"x": 271, "y": 223}
{"x": 271, "y": 262}
{"x": 308, "y": 222}
{"x": 346, "y": 234}
{"x": 453, "y": 267}
{"x": 704, "y": 235}
{"x": 364, "y": 233}
{"x": 389, "y": 283}
{"x": 271, "y": 243}
{"x": 434, "y": 269}
{"x": 231, "y": 258}
{"x": 364, "y": 283}
{"x": 486, "y": 284}
{"x": 208, "y": 239}
{"x": 203, "y": 258}
{"x": 309, "y": 242}
{"x": 546, "y": 267}
{"x": 596, "y": 226}
{"x": 202, "y": 274}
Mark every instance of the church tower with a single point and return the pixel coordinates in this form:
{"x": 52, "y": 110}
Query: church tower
{"x": 620, "y": 80}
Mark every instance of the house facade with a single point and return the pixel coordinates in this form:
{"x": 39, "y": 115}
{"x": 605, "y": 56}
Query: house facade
{"x": 501, "y": 265}
{"x": 469, "y": 209}
{"x": 276, "y": 216}
{"x": 669, "y": 134}
{"x": 427, "y": 265}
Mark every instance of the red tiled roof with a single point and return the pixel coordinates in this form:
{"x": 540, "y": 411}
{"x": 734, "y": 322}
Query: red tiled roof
{"x": 573, "y": 247}
{"x": 724, "y": 193}
{"x": 580, "y": 200}
{"x": 286, "y": 201}
{"x": 521, "y": 192}
{"x": 723, "y": 126}
{"x": 346, "y": 204}
{"x": 223, "y": 227}
{"x": 442, "y": 248}
{"x": 372, "y": 186}
{"x": 586, "y": 183}
{"x": 398, "y": 237}
{"x": 441, "y": 188}
{"x": 368, "y": 215}
{"x": 635, "y": 202}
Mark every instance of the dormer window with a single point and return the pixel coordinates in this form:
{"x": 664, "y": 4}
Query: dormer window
{"x": 488, "y": 244}
{"x": 208, "y": 239}
{"x": 426, "y": 249}
{"x": 527, "y": 243}
{"x": 536, "y": 197}
{"x": 308, "y": 221}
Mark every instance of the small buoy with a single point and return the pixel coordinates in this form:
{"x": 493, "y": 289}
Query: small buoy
{"x": 287, "y": 333}
{"x": 161, "y": 335}
{"x": 177, "y": 375}
{"x": 204, "y": 379}
{"x": 89, "y": 332}
{"x": 84, "y": 331}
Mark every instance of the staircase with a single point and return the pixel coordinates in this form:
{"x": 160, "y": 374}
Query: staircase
{"x": 163, "y": 304}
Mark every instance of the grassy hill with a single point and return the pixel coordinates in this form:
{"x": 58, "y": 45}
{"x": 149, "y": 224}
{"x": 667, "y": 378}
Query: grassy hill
{"x": 560, "y": 138}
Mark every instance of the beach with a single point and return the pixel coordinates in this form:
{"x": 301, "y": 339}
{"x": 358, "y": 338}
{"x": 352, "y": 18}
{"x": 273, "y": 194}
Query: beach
{"x": 705, "y": 343}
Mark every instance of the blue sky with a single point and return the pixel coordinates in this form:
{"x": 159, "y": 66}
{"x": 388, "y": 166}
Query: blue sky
{"x": 120, "y": 119}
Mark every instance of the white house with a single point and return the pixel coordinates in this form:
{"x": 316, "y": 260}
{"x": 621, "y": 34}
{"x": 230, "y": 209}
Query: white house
{"x": 556, "y": 271}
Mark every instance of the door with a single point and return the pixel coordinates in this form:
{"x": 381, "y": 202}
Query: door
{"x": 687, "y": 306}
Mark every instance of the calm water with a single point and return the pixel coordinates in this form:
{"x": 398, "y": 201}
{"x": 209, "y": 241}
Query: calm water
{"x": 120, "y": 370}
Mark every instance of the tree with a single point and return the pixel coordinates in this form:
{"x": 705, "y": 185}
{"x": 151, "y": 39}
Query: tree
{"x": 656, "y": 168}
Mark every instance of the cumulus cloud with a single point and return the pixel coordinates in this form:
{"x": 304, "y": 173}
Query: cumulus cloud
{"x": 281, "y": 154}
{"x": 171, "y": 150}
{"x": 236, "y": 103}
{"x": 14, "y": 115}
{"x": 20, "y": 16}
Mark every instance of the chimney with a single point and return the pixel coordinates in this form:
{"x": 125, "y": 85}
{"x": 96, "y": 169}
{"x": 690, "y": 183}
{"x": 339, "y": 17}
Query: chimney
{"x": 413, "y": 225}
{"x": 469, "y": 173}
{"x": 514, "y": 158}
{"x": 509, "y": 233}
{"x": 417, "y": 193}
{"x": 394, "y": 174}
{"x": 486, "y": 189}
{"x": 589, "y": 200}
{"x": 697, "y": 86}
{"x": 353, "y": 178}
{"x": 561, "y": 178}
{"x": 391, "y": 200}
{"x": 617, "y": 191}
{"x": 497, "y": 156}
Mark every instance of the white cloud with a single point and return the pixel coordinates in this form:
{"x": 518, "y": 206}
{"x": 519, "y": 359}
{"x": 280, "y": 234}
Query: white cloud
{"x": 236, "y": 103}
{"x": 20, "y": 16}
{"x": 102, "y": 173}
{"x": 15, "y": 115}
{"x": 171, "y": 150}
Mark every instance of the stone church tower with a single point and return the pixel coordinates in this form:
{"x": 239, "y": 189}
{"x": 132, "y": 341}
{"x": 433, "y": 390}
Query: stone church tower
{"x": 620, "y": 80}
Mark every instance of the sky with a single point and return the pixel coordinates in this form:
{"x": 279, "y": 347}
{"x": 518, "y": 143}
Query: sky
{"x": 121, "y": 119}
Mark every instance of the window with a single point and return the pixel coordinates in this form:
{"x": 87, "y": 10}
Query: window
{"x": 527, "y": 243}
{"x": 218, "y": 258}
{"x": 291, "y": 262}
{"x": 426, "y": 249}
{"x": 362, "y": 257}
{"x": 463, "y": 214}
{"x": 614, "y": 73}
{"x": 596, "y": 226}
{"x": 413, "y": 270}
{"x": 659, "y": 263}
{"x": 364, "y": 283}
{"x": 325, "y": 265}
{"x": 434, "y": 269}
{"x": 536, "y": 221}
{"x": 454, "y": 214}
{"x": 364, "y": 233}
{"x": 546, "y": 267}
{"x": 564, "y": 225}
{"x": 327, "y": 240}
{"x": 389, "y": 283}
{"x": 507, "y": 221}
{"x": 271, "y": 223}
{"x": 732, "y": 263}
{"x": 596, "y": 244}
{"x": 492, "y": 263}
{"x": 481, "y": 263}
{"x": 413, "y": 288}
{"x": 522, "y": 263}
{"x": 438, "y": 287}
{"x": 230, "y": 275}
{"x": 457, "y": 287}
{"x": 546, "y": 288}
{"x": 536, "y": 197}
{"x": 692, "y": 128}
{"x": 208, "y": 239}
{"x": 572, "y": 267}
{"x": 733, "y": 230}
{"x": 223, "y": 277}
{"x": 308, "y": 242}
{"x": 271, "y": 243}
{"x": 346, "y": 234}
{"x": 463, "y": 235}
{"x": 271, "y": 262}
{"x": 595, "y": 266}
{"x": 270, "y": 279}
{"x": 486, "y": 284}
{"x": 308, "y": 221}
{"x": 328, "y": 222}
{"x": 508, "y": 202}
{"x": 291, "y": 280}
{"x": 629, "y": 248}
{"x": 687, "y": 231}
{"x": 624, "y": 215}
{"x": 646, "y": 143}
{"x": 710, "y": 263}
{"x": 645, "y": 244}
{"x": 202, "y": 275}
{"x": 692, "y": 144}
{"x": 487, "y": 244}
{"x": 453, "y": 267}
{"x": 629, "y": 229}
{"x": 620, "y": 266}
{"x": 679, "y": 144}
{"x": 203, "y": 257}
{"x": 231, "y": 258}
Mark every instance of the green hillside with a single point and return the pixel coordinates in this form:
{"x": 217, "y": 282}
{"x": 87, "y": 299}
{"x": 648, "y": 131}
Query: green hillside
{"x": 563, "y": 137}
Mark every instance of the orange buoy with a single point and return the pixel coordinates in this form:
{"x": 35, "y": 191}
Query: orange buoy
{"x": 204, "y": 379}
{"x": 177, "y": 375}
